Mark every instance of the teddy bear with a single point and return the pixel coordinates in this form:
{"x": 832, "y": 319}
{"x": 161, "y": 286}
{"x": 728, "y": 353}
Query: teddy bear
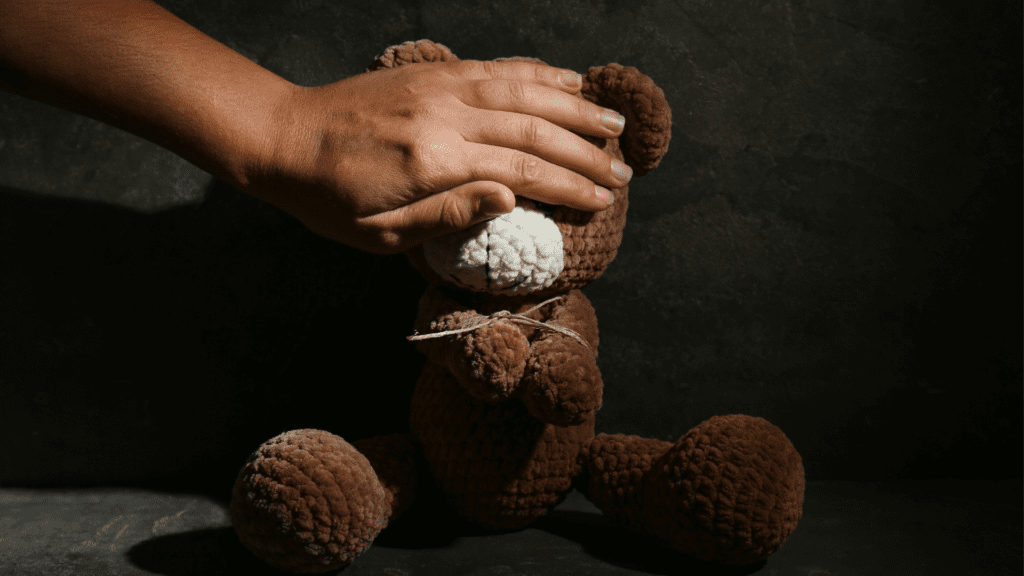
{"x": 503, "y": 412}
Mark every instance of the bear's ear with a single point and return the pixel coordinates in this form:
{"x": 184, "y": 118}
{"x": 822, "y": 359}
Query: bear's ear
{"x": 412, "y": 53}
{"x": 648, "y": 117}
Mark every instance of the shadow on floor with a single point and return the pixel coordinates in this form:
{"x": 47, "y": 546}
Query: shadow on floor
{"x": 197, "y": 552}
{"x": 431, "y": 527}
{"x": 604, "y": 541}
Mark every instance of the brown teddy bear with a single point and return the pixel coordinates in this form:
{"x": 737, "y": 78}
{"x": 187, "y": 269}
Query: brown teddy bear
{"x": 503, "y": 412}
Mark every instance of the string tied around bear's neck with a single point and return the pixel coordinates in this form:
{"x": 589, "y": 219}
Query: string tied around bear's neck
{"x": 481, "y": 321}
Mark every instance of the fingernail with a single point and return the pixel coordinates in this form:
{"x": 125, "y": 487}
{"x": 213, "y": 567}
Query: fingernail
{"x": 622, "y": 171}
{"x": 572, "y": 79}
{"x": 604, "y": 194}
{"x": 613, "y": 120}
{"x": 491, "y": 206}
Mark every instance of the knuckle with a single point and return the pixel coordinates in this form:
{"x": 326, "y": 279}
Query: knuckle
{"x": 518, "y": 93}
{"x": 482, "y": 93}
{"x": 454, "y": 215}
{"x": 600, "y": 160}
{"x": 433, "y": 152}
{"x": 488, "y": 67}
{"x": 528, "y": 168}
{"x": 544, "y": 74}
{"x": 418, "y": 159}
{"x": 534, "y": 132}
{"x": 591, "y": 113}
{"x": 420, "y": 154}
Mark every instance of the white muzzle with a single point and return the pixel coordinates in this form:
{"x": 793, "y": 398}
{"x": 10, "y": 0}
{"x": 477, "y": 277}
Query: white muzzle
{"x": 512, "y": 254}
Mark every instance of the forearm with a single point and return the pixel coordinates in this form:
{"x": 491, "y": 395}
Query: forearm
{"x": 136, "y": 66}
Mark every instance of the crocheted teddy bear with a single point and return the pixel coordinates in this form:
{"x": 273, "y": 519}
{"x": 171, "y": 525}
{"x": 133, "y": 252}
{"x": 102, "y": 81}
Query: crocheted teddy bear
{"x": 503, "y": 411}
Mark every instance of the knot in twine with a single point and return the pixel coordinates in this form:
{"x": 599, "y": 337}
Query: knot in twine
{"x": 481, "y": 321}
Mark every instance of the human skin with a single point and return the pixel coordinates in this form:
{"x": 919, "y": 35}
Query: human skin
{"x": 380, "y": 161}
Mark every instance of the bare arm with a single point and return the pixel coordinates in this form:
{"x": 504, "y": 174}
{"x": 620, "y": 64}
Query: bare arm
{"x": 380, "y": 161}
{"x": 136, "y": 66}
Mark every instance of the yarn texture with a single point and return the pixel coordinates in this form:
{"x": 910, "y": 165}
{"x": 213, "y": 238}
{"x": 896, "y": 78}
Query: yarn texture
{"x": 516, "y": 253}
{"x": 502, "y": 416}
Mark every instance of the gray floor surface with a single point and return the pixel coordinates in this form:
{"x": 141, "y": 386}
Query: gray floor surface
{"x": 904, "y": 528}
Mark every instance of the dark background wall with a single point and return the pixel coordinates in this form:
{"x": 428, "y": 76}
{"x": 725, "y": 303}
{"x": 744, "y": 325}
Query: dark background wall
{"x": 832, "y": 243}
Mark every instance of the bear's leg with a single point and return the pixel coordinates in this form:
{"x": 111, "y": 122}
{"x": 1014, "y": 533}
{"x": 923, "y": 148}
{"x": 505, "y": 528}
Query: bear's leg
{"x": 308, "y": 501}
{"x": 729, "y": 491}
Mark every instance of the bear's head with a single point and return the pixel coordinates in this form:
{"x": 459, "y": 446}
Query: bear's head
{"x": 541, "y": 250}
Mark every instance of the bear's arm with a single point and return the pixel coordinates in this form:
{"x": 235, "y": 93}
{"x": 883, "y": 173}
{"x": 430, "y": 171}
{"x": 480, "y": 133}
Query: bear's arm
{"x": 562, "y": 384}
{"x": 575, "y": 312}
{"x": 438, "y": 312}
{"x": 487, "y": 361}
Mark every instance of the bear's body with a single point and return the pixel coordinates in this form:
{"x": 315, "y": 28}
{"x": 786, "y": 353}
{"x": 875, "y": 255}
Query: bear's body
{"x": 503, "y": 412}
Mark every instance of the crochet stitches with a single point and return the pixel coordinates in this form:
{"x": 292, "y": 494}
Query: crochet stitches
{"x": 503, "y": 412}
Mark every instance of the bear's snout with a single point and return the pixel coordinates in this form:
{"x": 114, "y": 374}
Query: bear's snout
{"x": 513, "y": 254}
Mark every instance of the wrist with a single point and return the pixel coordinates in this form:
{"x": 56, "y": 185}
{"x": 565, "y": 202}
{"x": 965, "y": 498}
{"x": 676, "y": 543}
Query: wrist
{"x": 239, "y": 140}
{"x": 283, "y": 155}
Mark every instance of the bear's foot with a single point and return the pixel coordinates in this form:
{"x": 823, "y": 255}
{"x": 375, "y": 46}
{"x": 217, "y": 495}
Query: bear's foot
{"x": 308, "y": 501}
{"x": 730, "y": 491}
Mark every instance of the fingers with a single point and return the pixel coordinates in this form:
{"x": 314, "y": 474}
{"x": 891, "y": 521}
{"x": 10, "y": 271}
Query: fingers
{"x": 543, "y": 111}
{"x": 440, "y": 214}
{"x": 566, "y": 110}
{"x": 562, "y": 151}
{"x": 537, "y": 179}
{"x": 536, "y": 90}
{"x": 566, "y": 80}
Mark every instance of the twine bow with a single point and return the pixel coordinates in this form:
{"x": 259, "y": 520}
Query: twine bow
{"x": 482, "y": 321}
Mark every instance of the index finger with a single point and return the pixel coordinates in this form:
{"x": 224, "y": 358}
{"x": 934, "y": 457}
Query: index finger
{"x": 560, "y": 78}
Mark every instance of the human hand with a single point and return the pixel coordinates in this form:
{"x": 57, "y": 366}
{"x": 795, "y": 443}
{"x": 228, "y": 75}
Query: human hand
{"x": 388, "y": 159}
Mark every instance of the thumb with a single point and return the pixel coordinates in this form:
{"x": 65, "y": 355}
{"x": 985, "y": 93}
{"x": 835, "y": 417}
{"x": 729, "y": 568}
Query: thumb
{"x": 454, "y": 210}
{"x": 491, "y": 199}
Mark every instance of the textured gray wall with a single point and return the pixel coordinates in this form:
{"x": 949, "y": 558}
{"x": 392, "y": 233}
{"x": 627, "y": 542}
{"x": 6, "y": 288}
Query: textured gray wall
{"x": 832, "y": 243}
